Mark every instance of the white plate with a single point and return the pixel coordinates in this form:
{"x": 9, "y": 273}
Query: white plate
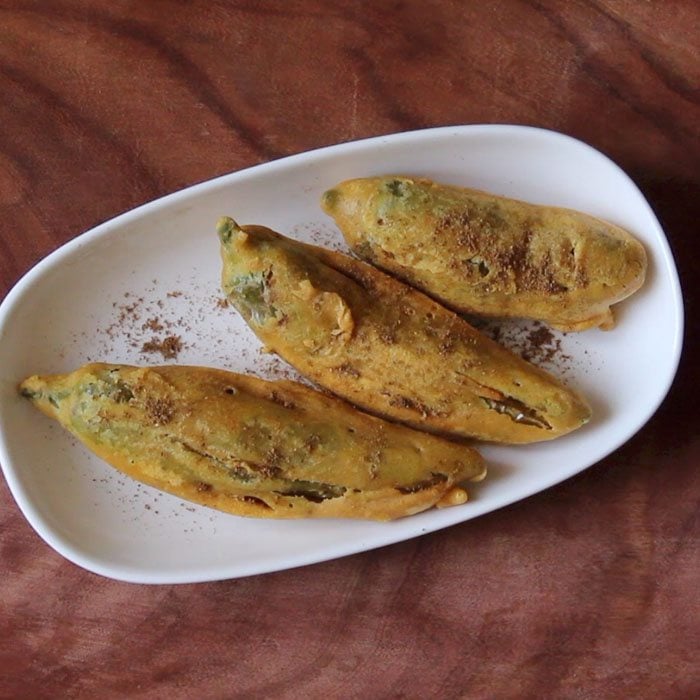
{"x": 93, "y": 299}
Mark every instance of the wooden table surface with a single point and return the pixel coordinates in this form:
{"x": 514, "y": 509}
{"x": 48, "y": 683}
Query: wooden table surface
{"x": 588, "y": 590}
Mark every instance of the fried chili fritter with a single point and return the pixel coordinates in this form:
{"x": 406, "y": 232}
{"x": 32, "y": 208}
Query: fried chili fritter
{"x": 480, "y": 253}
{"x": 253, "y": 447}
{"x": 386, "y": 347}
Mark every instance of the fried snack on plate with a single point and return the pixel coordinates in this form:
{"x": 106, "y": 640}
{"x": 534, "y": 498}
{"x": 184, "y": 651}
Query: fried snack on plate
{"x": 253, "y": 447}
{"x": 385, "y": 346}
{"x": 480, "y": 253}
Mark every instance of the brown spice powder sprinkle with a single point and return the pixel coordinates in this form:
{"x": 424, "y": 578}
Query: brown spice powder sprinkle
{"x": 281, "y": 400}
{"x": 542, "y": 338}
{"x": 537, "y": 343}
{"x": 347, "y": 369}
{"x": 169, "y": 347}
{"x": 153, "y": 324}
{"x": 159, "y": 410}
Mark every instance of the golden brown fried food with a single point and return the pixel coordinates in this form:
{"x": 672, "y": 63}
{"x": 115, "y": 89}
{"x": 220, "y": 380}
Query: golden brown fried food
{"x": 385, "y": 346}
{"x": 252, "y": 447}
{"x": 484, "y": 254}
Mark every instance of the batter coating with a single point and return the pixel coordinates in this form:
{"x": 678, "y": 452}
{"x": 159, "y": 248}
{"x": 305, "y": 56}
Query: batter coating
{"x": 484, "y": 254}
{"x": 385, "y": 346}
{"x": 253, "y": 447}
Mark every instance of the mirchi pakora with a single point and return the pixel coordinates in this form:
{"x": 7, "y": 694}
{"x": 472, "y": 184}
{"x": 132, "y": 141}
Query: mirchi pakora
{"x": 253, "y": 447}
{"x": 480, "y": 253}
{"x": 385, "y": 346}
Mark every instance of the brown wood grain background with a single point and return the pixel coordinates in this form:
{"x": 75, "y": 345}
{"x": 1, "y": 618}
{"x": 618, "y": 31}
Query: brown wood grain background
{"x": 589, "y": 590}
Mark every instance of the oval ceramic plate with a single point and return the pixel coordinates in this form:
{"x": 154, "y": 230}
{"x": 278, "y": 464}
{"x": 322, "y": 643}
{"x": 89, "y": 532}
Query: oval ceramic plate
{"x": 144, "y": 289}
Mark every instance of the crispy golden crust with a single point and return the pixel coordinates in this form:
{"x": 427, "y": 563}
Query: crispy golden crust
{"x": 385, "y": 346}
{"x": 251, "y": 447}
{"x": 484, "y": 254}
